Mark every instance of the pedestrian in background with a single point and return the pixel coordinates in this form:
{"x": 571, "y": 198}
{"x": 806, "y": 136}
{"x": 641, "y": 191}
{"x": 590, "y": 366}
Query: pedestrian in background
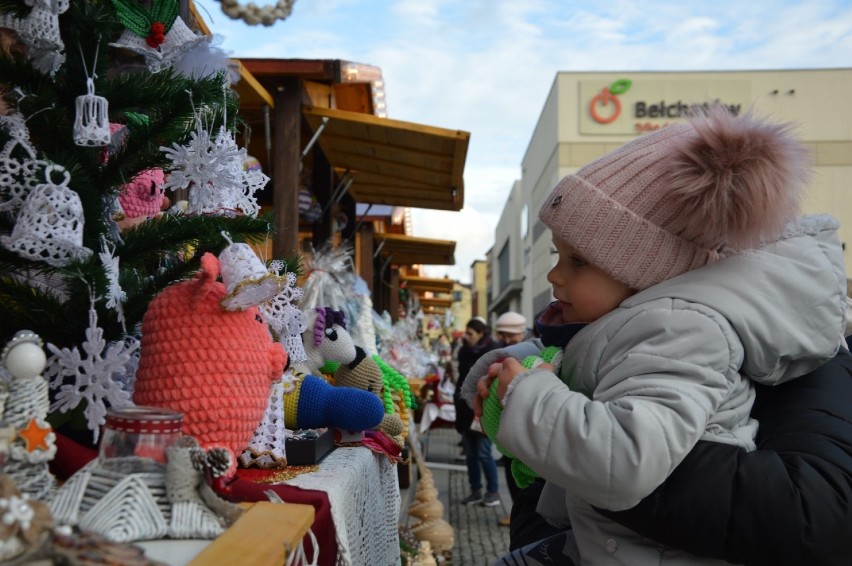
{"x": 477, "y": 446}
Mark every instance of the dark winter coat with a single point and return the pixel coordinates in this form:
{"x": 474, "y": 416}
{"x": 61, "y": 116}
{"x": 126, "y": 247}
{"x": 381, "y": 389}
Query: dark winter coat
{"x": 467, "y": 357}
{"x": 787, "y": 503}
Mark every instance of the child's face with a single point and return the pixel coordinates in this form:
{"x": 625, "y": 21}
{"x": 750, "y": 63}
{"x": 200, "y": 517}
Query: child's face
{"x": 585, "y": 293}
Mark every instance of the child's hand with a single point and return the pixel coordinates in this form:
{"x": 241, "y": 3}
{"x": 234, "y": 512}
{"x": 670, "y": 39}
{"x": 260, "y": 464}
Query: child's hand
{"x": 504, "y": 372}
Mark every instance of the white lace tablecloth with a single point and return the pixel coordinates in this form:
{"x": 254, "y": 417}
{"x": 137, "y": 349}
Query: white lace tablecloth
{"x": 363, "y": 490}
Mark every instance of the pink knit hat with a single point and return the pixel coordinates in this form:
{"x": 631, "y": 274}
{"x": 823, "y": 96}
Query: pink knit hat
{"x": 673, "y": 200}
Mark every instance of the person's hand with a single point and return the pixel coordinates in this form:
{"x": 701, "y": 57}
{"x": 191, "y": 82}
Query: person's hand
{"x": 480, "y": 368}
{"x": 504, "y": 372}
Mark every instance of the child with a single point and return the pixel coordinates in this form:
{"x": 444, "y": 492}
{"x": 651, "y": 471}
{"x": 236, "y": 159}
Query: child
{"x": 682, "y": 255}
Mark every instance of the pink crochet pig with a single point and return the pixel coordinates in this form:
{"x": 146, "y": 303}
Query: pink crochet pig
{"x": 143, "y": 196}
{"x": 215, "y": 366}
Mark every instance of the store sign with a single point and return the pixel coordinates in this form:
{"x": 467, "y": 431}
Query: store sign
{"x": 625, "y": 106}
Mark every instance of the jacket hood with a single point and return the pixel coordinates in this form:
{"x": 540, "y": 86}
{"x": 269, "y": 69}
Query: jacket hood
{"x": 786, "y": 300}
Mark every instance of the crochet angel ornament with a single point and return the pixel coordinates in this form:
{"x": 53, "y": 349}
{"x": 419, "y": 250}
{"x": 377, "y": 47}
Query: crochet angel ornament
{"x": 214, "y": 365}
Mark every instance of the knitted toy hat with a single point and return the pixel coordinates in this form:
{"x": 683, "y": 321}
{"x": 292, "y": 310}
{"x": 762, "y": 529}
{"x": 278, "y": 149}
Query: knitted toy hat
{"x": 675, "y": 199}
{"x": 213, "y": 365}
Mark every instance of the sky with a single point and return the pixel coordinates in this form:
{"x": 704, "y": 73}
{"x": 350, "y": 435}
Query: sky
{"x": 487, "y": 66}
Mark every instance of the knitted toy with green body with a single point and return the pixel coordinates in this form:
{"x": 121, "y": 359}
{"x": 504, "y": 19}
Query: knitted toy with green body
{"x": 492, "y": 410}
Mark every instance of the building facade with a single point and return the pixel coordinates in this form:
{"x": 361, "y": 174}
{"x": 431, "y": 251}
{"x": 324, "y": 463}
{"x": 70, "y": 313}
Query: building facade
{"x": 587, "y": 115}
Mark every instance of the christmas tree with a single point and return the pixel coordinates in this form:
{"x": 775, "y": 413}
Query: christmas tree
{"x": 93, "y": 103}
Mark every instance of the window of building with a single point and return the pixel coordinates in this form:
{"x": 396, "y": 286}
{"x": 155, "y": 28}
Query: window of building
{"x": 503, "y": 266}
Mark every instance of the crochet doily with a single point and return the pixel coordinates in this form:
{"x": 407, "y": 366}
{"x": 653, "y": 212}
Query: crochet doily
{"x": 363, "y": 490}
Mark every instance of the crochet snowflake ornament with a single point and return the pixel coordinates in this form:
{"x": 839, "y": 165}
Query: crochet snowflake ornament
{"x": 212, "y": 169}
{"x": 95, "y": 377}
{"x": 115, "y": 294}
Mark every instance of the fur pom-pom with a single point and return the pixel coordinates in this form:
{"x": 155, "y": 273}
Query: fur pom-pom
{"x": 743, "y": 178}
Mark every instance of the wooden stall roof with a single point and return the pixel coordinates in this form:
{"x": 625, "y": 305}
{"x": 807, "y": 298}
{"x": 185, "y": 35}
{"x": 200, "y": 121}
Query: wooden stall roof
{"x": 394, "y": 162}
{"x": 408, "y": 250}
{"x": 436, "y": 302}
{"x": 422, "y": 284}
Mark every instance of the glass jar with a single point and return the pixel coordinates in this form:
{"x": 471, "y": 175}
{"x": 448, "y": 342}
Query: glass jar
{"x": 135, "y": 439}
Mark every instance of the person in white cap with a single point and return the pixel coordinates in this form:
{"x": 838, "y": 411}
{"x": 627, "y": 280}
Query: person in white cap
{"x": 511, "y": 328}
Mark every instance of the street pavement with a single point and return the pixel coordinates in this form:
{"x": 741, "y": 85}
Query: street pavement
{"x": 479, "y": 540}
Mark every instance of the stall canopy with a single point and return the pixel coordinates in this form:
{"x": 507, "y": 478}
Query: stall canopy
{"x": 408, "y": 250}
{"x": 436, "y": 302}
{"x": 393, "y": 162}
{"x": 426, "y": 284}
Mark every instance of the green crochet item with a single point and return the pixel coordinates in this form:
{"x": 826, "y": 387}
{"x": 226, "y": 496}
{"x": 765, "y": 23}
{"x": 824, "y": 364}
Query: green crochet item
{"x": 492, "y": 411}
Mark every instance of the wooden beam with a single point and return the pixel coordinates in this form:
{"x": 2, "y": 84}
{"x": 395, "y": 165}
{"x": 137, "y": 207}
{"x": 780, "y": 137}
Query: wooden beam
{"x": 286, "y": 155}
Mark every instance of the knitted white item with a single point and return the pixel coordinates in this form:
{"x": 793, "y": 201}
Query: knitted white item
{"x": 126, "y": 507}
{"x": 284, "y": 318}
{"x": 326, "y": 340}
{"x": 213, "y": 171}
{"x": 247, "y": 280}
{"x": 359, "y": 508}
{"x": 20, "y": 170}
{"x": 267, "y": 447}
{"x": 39, "y": 31}
{"x": 178, "y": 42}
{"x": 127, "y": 512}
{"x": 49, "y": 227}
{"x": 91, "y": 121}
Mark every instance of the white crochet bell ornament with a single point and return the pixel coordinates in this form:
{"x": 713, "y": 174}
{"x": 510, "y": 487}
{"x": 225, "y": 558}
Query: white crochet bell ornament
{"x": 178, "y": 41}
{"x": 39, "y": 31}
{"x": 49, "y": 227}
{"x": 91, "y": 123}
{"x": 19, "y": 167}
{"x": 247, "y": 280}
